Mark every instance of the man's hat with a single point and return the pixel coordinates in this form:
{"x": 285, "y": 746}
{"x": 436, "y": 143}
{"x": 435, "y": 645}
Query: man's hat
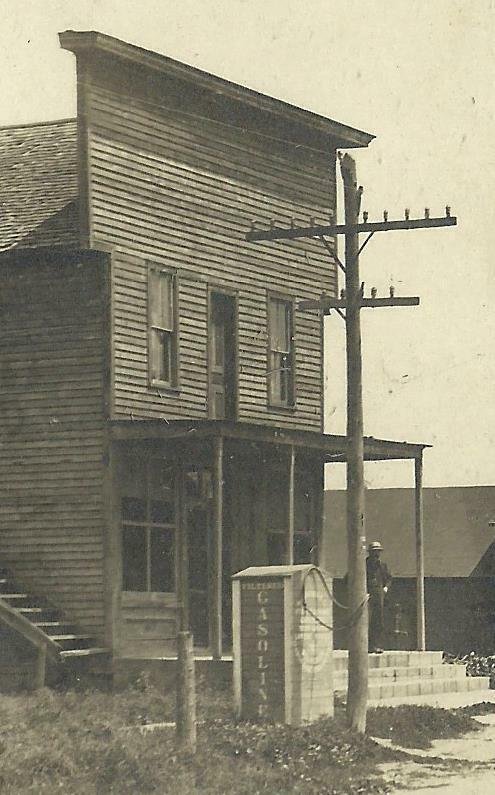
{"x": 375, "y": 545}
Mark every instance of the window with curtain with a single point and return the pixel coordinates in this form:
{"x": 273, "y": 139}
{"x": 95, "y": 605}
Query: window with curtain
{"x": 162, "y": 315}
{"x": 281, "y": 382}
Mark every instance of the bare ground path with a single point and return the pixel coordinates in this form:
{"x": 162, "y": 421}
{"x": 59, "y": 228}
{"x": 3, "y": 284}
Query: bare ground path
{"x": 458, "y": 767}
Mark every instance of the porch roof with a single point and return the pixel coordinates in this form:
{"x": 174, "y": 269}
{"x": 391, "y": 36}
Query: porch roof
{"x": 332, "y": 447}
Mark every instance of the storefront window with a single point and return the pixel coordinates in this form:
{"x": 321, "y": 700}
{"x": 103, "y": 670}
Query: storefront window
{"x": 148, "y": 525}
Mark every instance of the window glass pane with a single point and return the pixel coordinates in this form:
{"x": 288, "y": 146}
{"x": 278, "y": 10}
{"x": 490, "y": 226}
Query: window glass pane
{"x": 162, "y": 480}
{"x": 162, "y": 512}
{"x": 154, "y": 298}
{"x": 162, "y": 560}
{"x": 167, "y": 301}
{"x": 279, "y": 325}
{"x": 133, "y": 488}
{"x": 134, "y": 559}
{"x": 161, "y": 348}
{"x": 274, "y": 378}
{"x": 162, "y": 493}
{"x": 161, "y": 300}
{"x": 133, "y": 509}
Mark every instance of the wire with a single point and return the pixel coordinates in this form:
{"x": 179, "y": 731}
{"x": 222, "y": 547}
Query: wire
{"x": 354, "y": 616}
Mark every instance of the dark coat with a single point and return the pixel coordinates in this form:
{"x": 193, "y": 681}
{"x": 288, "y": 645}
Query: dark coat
{"x": 378, "y": 576}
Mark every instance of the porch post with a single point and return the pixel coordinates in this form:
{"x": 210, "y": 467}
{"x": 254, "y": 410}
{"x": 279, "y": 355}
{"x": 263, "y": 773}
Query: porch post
{"x": 318, "y": 556}
{"x": 216, "y": 623}
{"x": 183, "y": 567}
{"x": 420, "y": 564}
{"x": 290, "y": 506}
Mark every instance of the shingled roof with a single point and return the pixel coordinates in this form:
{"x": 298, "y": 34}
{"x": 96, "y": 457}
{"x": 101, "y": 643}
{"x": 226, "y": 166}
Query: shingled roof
{"x": 38, "y": 185}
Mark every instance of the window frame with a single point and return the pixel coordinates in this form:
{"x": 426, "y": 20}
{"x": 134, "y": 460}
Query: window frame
{"x": 291, "y": 404}
{"x": 173, "y": 384}
{"x": 146, "y": 526}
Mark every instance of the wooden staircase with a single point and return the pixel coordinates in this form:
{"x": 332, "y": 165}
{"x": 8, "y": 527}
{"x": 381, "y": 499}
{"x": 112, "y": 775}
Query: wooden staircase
{"x": 44, "y": 627}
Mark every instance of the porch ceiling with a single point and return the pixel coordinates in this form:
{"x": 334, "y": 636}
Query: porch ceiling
{"x": 331, "y": 446}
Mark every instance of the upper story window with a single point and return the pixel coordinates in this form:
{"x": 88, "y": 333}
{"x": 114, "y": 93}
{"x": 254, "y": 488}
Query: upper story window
{"x": 162, "y": 322}
{"x": 281, "y": 381}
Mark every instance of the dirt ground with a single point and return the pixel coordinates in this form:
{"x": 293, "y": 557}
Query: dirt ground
{"x": 451, "y": 767}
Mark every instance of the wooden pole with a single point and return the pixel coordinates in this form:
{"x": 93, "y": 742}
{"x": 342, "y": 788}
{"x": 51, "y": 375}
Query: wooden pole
{"x": 40, "y": 669}
{"x": 185, "y": 684}
{"x": 183, "y": 563}
{"x": 357, "y": 692}
{"x": 216, "y": 623}
{"x": 420, "y": 563}
{"x": 290, "y": 506}
{"x": 186, "y": 692}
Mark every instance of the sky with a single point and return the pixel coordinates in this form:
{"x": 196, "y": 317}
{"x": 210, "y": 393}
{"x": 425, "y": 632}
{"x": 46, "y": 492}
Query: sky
{"x": 419, "y": 76}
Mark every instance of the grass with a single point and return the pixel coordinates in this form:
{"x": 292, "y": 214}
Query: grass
{"x": 90, "y": 742}
{"x": 414, "y": 726}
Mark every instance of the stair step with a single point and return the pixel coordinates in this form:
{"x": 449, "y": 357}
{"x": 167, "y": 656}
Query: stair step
{"x": 14, "y": 595}
{"x": 43, "y": 624}
{"x": 69, "y": 637}
{"x": 390, "y": 675}
{"x": 421, "y": 687}
{"x": 83, "y": 652}
{"x": 391, "y": 659}
{"x": 31, "y": 609}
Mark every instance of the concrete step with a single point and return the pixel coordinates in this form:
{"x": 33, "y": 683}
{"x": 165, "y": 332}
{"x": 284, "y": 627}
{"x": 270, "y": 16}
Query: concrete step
{"x": 392, "y": 659}
{"x": 444, "y": 700}
{"x": 388, "y": 675}
{"x": 380, "y": 690}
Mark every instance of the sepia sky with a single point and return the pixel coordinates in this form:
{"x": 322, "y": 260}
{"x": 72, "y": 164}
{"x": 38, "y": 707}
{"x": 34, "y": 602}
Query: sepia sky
{"x": 418, "y": 75}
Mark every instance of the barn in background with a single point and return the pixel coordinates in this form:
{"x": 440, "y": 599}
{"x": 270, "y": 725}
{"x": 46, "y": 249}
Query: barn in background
{"x": 459, "y": 561}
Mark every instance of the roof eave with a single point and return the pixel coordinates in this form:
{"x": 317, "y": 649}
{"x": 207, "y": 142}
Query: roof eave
{"x": 85, "y": 41}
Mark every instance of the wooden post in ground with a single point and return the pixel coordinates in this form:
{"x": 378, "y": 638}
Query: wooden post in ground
{"x": 420, "y": 563}
{"x": 216, "y": 621}
{"x": 290, "y": 506}
{"x": 40, "y": 669}
{"x": 185, "y": 685}
{"x": 357, "y": 692}
{"x": 186, "y": 692}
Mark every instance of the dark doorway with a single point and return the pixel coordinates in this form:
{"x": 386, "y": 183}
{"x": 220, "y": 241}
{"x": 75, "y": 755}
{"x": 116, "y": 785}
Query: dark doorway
{"x": 223, "y": 356}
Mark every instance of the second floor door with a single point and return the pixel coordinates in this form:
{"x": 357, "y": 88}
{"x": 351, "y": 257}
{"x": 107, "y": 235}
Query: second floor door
{"x": 223, "y": 356}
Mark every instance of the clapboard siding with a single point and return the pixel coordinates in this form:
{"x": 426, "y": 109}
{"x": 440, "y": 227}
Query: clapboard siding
{"x": 181, "y": 189}
{"x": 52, "y": 433}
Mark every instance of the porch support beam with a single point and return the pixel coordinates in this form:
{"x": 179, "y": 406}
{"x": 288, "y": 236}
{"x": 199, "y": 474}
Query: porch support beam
{"x": 420, "y": 565}
{"x": 290, "y": 506}
{"x": 183, "y": 567}
{"x": 216, "y": 621}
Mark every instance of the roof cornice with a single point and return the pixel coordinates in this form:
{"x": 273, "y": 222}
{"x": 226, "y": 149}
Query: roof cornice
{"x": 80, "y": 42}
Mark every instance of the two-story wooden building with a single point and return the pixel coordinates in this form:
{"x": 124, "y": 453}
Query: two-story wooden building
{"x": 161, "y": 395}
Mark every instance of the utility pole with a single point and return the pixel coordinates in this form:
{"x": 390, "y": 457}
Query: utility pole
{"x": 357, "y": 688}
{"x": 351, "y": 301}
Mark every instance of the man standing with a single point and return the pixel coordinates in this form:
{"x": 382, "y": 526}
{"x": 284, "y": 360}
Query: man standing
{"x": 378, "y": 580}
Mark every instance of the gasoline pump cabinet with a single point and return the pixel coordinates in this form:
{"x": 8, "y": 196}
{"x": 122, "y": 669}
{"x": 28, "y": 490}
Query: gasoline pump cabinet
{"x": 283, "y": 644}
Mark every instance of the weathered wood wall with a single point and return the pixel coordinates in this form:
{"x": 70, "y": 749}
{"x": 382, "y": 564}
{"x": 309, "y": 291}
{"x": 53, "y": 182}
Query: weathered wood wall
{"x": 52, "y": 432}
{"x": 169, "y": 183}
